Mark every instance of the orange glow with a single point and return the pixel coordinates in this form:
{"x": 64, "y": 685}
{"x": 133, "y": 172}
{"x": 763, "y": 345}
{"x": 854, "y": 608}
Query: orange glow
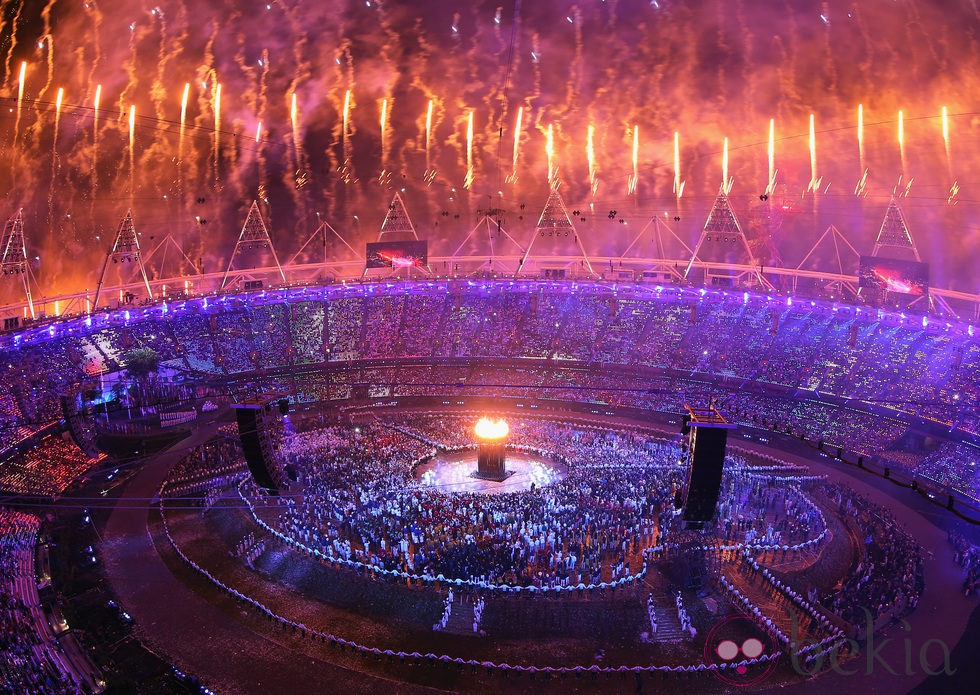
{"x": 491, "y": 429}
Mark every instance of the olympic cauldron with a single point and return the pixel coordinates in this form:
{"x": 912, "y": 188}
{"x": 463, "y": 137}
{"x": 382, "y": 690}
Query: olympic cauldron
{"x": 491, "y": 456}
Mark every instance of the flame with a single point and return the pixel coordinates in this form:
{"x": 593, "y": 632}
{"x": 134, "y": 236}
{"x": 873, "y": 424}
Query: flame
{"x": 57, "y": 101}
{"x": 95, "y": 106}
{"x": 491, "y": 429}
{"x": 258, "y": 132}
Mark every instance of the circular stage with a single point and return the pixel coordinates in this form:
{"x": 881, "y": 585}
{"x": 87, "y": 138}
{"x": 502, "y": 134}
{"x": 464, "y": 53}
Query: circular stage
{"x": 453, "y": 472}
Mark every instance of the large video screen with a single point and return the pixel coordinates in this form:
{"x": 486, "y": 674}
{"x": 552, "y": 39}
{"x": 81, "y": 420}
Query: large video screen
{"x": 892, "y": 275}
{"x": 397, "y": 254}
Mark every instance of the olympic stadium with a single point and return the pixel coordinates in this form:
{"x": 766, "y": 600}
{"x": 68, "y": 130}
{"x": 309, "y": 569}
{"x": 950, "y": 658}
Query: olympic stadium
{"x": 493, "y": 419}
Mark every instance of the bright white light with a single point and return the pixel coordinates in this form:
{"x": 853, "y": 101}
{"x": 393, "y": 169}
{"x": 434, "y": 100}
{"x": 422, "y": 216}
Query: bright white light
{"x": 491, "y": 429}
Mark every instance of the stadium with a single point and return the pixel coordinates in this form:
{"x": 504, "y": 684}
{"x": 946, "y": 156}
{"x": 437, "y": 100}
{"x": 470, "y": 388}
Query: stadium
{"x": 500, "y": 428}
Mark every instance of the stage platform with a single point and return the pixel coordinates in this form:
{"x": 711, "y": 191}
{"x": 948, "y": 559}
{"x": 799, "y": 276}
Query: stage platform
{"x": 453, "y": 472}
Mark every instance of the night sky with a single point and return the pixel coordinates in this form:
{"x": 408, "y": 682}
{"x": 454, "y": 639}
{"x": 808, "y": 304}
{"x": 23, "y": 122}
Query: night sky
{"x": 706, "y": 70}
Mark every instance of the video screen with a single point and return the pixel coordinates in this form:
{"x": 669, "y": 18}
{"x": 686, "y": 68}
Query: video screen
{"x": 397, "y": 254}
{"x": 892, "y": 275}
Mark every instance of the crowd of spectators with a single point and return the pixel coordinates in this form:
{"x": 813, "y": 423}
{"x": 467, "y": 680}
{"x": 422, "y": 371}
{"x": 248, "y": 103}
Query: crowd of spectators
{"x": 30, "y": 659}
{"x": 912, "y": 369}
{"x": 47, "y": 469}
{"x": 799, "y": 345}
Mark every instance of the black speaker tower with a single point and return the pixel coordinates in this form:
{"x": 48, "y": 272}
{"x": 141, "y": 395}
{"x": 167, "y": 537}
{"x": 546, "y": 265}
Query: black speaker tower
{"x": 260, "y": 429}
{"x": 707, "y": 440}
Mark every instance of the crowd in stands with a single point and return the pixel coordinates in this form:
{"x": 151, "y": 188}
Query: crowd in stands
{"x": 912, "y": 369}
{"x": 207, "y": 465}
{"x": 30, "y": 659}
{"x": 47, "y": 469}
{"x": 801, "y": 345}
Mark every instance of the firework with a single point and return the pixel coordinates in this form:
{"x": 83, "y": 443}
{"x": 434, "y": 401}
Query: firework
{"x": 468, "y": 179}
{"x": 814, "y": 181}
{"x": 901, "y": 142}
{"x": 549, "y": 149}
{"x": 678, "y": 184}
{"x": 132, "y": 153}
{"x": 631, "y": 185}
{"x": 860, "y": 136}
{"x": 517, "y": 145}
{"x": 771, "y": 152}
{"x": 590, "y": 155}
{"x": 725, "y": 185}
{"x": 384, "y": 133}
{"x": 428, "y": 136}
{"x": 217, "y": 130}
